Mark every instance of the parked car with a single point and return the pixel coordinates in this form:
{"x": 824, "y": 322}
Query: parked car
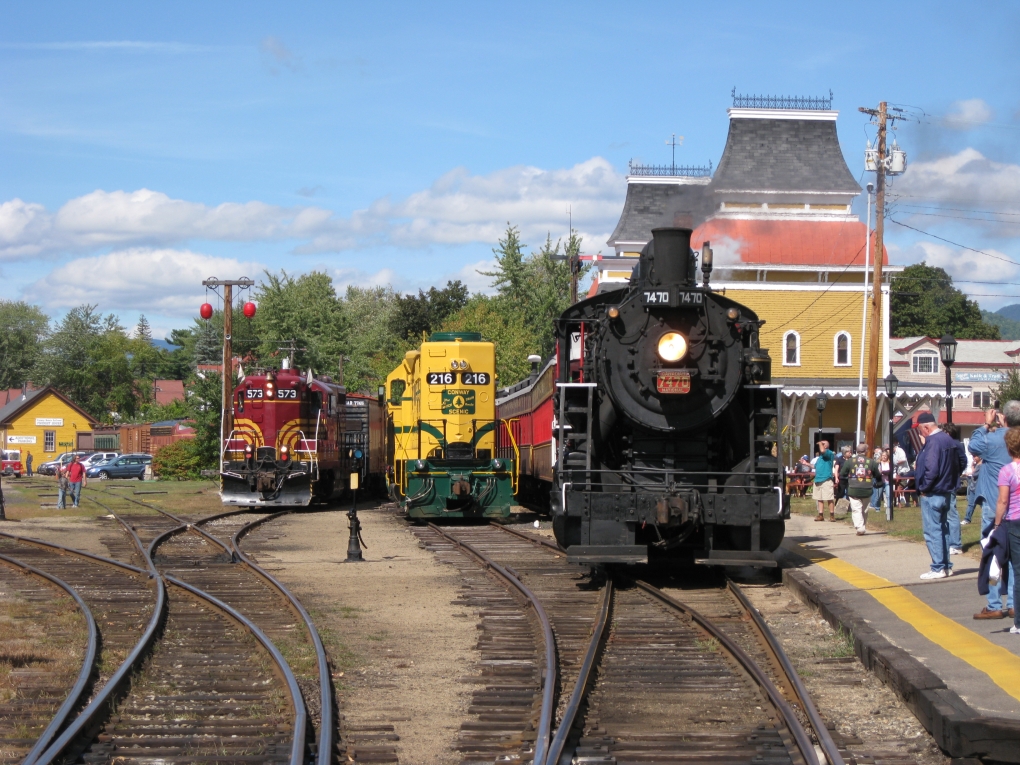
{"x": 50, "y": 468}
{"x": 97, "y": 458}
{"x": 12, "y": 462}
{"x": 124, "y": 466}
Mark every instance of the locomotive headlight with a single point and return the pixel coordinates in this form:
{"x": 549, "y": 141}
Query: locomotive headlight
{"x": 672, "y": 346}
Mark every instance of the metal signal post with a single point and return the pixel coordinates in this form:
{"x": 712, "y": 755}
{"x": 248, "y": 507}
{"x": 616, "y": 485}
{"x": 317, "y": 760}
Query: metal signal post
{"x": 227, "y": 417}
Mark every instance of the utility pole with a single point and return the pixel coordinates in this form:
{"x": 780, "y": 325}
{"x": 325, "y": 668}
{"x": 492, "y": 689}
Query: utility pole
{"x": 876, "y": 291}
{"x": 227, "y": 411}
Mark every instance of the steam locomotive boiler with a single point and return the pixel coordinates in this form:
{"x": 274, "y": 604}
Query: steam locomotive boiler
{"x": 659, "y": 419}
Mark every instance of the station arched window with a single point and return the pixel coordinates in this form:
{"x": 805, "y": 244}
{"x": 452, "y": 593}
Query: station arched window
{"x": 925, "y": 362}
{"x": 841, "y": 349}
{"x": 791, "y": 349}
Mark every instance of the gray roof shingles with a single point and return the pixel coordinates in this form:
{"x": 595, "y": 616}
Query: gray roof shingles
{"x": 18, "y": 403}
{"x": 653, "y": 205}
{"x": 783, "y": 155}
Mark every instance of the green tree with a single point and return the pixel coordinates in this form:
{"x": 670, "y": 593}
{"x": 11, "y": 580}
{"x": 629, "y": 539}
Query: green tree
{"x": 205, "y": 399}
{"x": 87, "y": 358}
{"x": 1008, "y": 389}
{"x": 371, "y": 347}
{"x": 143, "y": 331}
{"x": 24, "y": 329}
{"x": 304, "y": 310}
{"x": 421, "y": 314}
{"x": 207, "y": 345}
{"x": 511, "y": 277}
{"x": 925, "y": 302}
{"x": 1009, "y": 329}
{"x": 180, "y": 461}
{"x": 513, "y": 338}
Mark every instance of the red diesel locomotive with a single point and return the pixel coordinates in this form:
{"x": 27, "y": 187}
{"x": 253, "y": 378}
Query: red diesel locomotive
{"x": 286, "y": 446}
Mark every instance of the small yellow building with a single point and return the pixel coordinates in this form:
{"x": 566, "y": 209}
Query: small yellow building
{"x": 43, "y": 422}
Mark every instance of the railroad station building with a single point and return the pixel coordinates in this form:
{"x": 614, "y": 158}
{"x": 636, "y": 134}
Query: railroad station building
{"x": 44, "y": 422}
{"x": 778, "y": 214}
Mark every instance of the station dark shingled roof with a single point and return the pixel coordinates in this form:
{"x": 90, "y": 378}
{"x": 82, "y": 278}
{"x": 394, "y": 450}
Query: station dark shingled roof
{"x": 652, "y": 205}
{"x": 783, "y": 155}
{"x": 16, "y": 404}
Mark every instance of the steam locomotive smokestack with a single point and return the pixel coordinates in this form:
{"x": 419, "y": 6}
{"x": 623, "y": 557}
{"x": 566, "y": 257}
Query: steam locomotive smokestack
{"x": 668, "y": 258}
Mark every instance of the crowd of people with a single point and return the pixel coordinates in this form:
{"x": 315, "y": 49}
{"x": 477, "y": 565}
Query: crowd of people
{"x": 992, "y": 468}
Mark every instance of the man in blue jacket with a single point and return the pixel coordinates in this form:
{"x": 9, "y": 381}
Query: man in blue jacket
{"x": 936, "y": 473}
{"x": 990, "y": 445}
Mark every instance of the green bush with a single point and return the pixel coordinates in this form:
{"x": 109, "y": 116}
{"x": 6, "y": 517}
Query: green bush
{"x": 180, "y": 461}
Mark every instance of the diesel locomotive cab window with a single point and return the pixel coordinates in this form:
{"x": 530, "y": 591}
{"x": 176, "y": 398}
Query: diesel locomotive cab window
{"x": 397, "y": 388}
{"x": 442, "y": 378}
{"x": 475, "y": 378}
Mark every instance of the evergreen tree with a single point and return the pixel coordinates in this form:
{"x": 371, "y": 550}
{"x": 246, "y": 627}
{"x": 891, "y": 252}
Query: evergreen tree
{"x": 143, "y": 331}
{"x": 208, "y": 343}
{"x": 925, "y": 302}
{"x": 511, "y": 275}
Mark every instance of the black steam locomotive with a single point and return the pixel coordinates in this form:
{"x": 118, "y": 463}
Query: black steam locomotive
{"x": 665, "y": 427}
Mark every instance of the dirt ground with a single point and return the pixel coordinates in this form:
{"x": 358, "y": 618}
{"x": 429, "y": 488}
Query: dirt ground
{"x": 399, "y": 645}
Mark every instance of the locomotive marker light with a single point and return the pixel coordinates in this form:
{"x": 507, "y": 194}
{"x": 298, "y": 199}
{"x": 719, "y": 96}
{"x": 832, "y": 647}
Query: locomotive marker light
{"x": 614, "y": 312}
{"x": 355, "y": 542}
{"x": 672, "y": 346}
{"x": 706, "y": 264}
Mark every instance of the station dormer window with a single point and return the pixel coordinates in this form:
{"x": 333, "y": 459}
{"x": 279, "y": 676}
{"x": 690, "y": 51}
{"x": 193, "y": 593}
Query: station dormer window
{"x": 791, "y": 349}
{"x": 925, "y": 362}
{"x": 841, "y": 349}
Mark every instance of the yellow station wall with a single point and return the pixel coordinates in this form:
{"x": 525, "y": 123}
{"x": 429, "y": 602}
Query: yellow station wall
{"x": 817, "y": 316}
{"x": 47, "y": 406}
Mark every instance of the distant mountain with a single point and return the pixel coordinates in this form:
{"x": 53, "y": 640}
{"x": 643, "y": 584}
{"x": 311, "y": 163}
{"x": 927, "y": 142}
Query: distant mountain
{"x": 1009, "y": 329}
{"x": 1010, "y": 312}
{"x": 163, "y": 344}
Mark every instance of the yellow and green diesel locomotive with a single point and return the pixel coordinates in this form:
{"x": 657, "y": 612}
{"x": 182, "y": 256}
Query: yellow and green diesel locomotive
{"x": 441, "y": 431}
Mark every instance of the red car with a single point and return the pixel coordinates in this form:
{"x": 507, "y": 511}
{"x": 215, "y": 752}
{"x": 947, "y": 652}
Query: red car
{"x": 12, "y": 462}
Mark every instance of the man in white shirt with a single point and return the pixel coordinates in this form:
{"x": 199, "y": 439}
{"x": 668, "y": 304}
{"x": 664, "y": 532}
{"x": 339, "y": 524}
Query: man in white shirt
{"x": 900, "y": 460}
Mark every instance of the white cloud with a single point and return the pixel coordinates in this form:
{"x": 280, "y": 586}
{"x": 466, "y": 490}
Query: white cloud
{"x": 458, "y": 208}
{"x": 275, "y": 52}
{"x": 963, "y": 265}
{"x": 160, "y": 281}
{"x": 968, "y": 114}
{"x": 967, "y": 181}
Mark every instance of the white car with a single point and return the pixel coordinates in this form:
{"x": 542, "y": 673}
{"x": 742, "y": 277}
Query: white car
{"x": 98, "y": 457}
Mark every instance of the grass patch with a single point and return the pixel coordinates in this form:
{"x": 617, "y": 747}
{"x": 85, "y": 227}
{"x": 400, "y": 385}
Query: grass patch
{"x": 839, "y": 646}
{"x": 906, "y": 522}
{"x": 707, "y": 644}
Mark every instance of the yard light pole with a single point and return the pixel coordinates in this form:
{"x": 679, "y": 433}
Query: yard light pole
{"x": 822, "y": 401}
{"x": 891, "y": 385}
{"x": 947, "y": 350}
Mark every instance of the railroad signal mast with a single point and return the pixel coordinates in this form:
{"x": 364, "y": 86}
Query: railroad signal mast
{"x": 882, "y": 163}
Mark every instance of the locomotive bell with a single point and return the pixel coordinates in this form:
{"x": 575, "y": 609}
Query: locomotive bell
{"x": 667, "y": 258}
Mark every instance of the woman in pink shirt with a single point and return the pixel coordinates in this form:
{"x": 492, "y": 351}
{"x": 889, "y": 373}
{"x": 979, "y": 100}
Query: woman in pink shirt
{"x": 1008, "y": 508}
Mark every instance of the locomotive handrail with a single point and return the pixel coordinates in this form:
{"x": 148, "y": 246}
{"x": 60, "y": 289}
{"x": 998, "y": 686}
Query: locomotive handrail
{"x": 515, "y": 474}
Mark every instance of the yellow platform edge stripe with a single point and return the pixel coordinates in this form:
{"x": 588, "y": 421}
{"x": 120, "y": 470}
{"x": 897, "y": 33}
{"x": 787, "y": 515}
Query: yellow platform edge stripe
{"x": 1001, "y": 666}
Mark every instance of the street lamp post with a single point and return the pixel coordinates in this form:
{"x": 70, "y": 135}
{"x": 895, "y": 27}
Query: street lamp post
{"x": 822, "y": 401}
{"x": 947, "y": 350}
{"x": 891, "y": 385}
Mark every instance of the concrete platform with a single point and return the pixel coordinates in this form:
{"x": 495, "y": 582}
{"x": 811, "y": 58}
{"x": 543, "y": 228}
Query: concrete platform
{"x": 961, "y": 677}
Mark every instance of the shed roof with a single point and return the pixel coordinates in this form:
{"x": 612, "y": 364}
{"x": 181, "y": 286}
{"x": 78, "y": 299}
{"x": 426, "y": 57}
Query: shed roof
{"x": 16, "y": 407}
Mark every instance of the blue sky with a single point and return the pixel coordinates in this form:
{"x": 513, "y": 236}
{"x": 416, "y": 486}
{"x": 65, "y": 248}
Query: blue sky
{"x": 143, "y": 149}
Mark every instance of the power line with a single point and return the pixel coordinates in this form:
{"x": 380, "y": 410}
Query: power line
{"x": 955, "y": 209}
{"x": 955, "y": 244}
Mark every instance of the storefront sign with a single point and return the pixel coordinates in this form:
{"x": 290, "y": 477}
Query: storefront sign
{"x": 49, "y": 422}
{"x": 21, "y": 439}
{"x": 989, "y": 377}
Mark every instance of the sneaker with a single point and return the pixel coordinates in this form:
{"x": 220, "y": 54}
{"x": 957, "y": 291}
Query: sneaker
{"x": 1014, "y": 630}
{"x": 861, "y": 532}
{"x": 956, "y": 551}
{"x": 940, "y": 574}
{"x": 965, "y": 523}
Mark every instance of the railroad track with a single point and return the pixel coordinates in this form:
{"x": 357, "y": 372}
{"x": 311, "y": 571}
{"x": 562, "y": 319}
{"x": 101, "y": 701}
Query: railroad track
{"x": 635, "y": 675}
{"x": 215, "y": 685}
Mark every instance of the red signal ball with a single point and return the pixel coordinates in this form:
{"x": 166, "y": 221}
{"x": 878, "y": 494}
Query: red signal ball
{"x": 249, "y": 310}
{"x": 206, "y": 311}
